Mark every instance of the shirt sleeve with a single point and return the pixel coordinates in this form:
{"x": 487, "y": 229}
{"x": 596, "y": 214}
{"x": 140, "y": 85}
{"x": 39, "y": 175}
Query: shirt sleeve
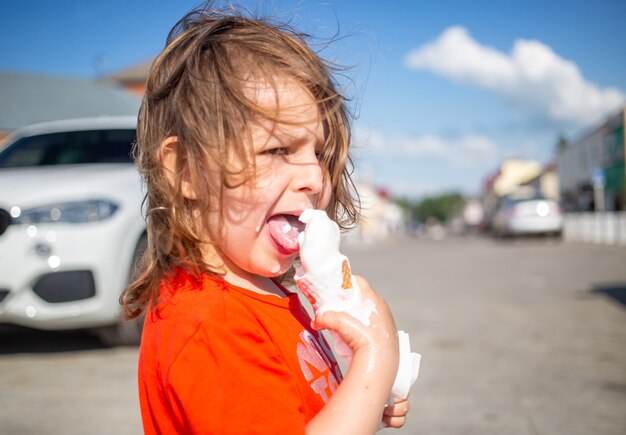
{"x": 230, "y": 378}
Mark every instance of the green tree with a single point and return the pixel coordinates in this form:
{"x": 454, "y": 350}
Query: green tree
{"x": 442, "y": 207}
{"x": 561, "y": 143}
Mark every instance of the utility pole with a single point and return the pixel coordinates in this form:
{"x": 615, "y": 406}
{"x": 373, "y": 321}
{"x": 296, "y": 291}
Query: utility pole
{"x": 624, "y": 158}
{"x": 597, "y": 180}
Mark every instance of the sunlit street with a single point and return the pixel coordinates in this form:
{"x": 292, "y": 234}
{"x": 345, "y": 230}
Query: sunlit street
{"x": 517, "y": 337}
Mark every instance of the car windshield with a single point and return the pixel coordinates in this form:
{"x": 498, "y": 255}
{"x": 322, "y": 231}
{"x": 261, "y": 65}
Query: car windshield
{"x": 68, "y": 148}
{"x": 511, "y": 202}
{"x": 534, "y": 198}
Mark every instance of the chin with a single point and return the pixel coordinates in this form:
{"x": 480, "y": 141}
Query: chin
{"x": 279, "y": 269}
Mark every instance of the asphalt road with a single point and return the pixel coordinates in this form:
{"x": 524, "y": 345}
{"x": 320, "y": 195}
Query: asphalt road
{"x": 524, "y": 337}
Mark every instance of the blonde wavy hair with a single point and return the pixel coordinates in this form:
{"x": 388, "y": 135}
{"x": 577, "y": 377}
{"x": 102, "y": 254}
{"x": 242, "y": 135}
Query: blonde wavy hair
{"x": 196, "y": 92}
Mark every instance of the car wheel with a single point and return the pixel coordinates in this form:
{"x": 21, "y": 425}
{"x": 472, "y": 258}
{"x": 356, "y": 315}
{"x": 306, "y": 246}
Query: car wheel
{"x": 556, "y": 236}
{"x": 123, "y": 333}
{"x": 126, "y": 332}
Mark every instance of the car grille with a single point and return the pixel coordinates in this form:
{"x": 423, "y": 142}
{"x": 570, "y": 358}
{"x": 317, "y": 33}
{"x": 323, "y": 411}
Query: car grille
{"x": 65, "y": 286}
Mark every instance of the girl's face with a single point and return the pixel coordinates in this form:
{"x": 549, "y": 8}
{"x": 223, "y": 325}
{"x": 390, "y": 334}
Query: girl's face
{"x": 257, "y": 235}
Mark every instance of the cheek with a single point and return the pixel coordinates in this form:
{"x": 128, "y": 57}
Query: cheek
{"x": 265, "y": 178}
{"x": 244, "y": 210}
{"x": 326, "y": 195}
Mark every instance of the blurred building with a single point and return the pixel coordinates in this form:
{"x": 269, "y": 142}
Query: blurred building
{"x": 546, "y": 182}
{"x": 133, "y": 79}
{"x": 508, "y": 178}
{"x": 594, "y": 165}
{"x": 380, "y": 216}
{"x": 27, "y": 98}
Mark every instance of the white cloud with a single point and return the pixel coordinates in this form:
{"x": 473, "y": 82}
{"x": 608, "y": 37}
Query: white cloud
{"x": 468, "y": 150}
{"x": 532, "y": 76}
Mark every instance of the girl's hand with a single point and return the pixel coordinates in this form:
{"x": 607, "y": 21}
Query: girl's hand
{"x": 376, "y": 343}
{"x": 358, "y": 336}
{"x": 395, "y": 414}
{"x": 358, "y": 405}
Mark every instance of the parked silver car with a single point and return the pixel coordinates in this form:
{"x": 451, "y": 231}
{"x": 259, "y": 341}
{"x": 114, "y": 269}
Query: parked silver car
{"x": 527, "y": 216}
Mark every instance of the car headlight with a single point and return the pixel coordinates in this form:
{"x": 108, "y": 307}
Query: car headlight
{"x": 68, "y": 212}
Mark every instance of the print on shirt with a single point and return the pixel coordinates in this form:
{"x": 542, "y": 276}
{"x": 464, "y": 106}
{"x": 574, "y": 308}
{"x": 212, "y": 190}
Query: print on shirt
{"x": 318, "y": 363}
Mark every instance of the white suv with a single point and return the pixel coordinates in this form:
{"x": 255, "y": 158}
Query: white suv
{"x": 71, "y": 228}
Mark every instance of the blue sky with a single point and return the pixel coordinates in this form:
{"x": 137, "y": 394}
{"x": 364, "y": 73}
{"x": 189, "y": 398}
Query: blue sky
{"x": 443, "y": 90}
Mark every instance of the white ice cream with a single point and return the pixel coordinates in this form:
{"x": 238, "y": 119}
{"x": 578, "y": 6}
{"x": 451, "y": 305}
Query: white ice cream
{"x": 325, "y": 277}
{"x": 324, "y": 273}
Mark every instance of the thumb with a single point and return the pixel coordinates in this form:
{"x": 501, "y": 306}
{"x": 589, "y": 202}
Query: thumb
{"x": 351, "y": 330}
{"x": 330, "y": 320}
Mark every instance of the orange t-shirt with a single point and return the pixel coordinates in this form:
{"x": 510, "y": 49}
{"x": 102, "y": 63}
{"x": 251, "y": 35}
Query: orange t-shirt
{"x": 220, "y": 359}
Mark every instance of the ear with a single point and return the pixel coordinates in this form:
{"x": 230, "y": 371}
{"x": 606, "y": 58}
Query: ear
{"x": 169, "y": 155}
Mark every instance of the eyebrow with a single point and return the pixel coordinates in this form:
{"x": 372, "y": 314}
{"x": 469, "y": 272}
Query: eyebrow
{"x": 299, "y": 138}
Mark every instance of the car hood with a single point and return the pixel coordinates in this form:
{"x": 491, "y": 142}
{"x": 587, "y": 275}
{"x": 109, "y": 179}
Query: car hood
{"x": 35, "y": 186}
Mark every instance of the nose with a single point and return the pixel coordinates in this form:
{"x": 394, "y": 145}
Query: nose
{"x": 308, "y": 178}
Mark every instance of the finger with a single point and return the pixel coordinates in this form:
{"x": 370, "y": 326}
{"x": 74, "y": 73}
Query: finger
{"x": 354, "y": 333}
{"x": 398, "y": 400}
{"x": 398, "y": 409}
{"x": 337, "y": 321}
{"x": 395, "y": 422}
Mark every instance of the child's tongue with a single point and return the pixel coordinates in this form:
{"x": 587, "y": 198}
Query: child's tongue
{"x": 284, "y": 229}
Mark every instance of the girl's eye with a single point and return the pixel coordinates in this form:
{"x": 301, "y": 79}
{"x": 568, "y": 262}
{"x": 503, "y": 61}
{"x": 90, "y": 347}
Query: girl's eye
{"x": 278, "y": 151}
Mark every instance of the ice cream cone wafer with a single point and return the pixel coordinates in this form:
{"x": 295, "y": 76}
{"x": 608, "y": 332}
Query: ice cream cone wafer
{"x": 346, "y": 274}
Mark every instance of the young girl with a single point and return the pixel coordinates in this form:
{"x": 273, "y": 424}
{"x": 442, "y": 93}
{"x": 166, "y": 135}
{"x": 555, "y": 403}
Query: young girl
{"x": 242, "y": 129}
